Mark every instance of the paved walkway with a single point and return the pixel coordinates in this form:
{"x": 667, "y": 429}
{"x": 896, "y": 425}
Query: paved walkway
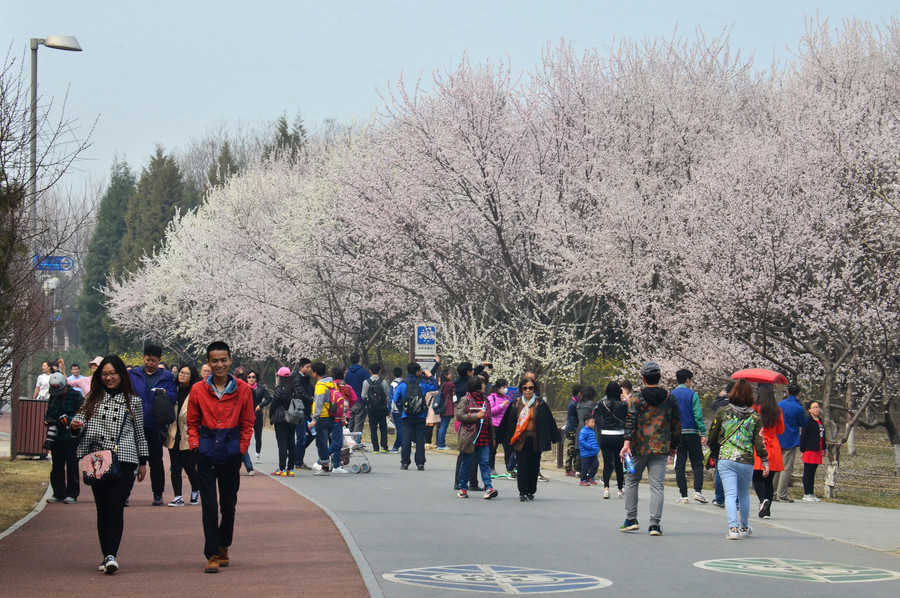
{"x": 406, "y": 534}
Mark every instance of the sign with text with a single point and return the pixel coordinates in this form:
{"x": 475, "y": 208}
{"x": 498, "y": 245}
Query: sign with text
{"x": 426, "y": 340}
{"x": 58, "y": 263}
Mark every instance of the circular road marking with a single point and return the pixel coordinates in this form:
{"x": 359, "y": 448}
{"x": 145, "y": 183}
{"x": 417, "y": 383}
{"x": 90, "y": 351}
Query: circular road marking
{"x": 799, "y": 570}
{"x": 498, "y": 579}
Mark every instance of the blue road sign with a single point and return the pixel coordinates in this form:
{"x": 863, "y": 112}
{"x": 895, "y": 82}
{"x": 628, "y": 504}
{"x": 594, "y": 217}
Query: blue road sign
{"x": 425, "y": 335}
{"x": 53, "y": 262}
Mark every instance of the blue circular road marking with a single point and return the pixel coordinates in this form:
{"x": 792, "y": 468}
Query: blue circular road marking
{"x": 498, "y": 579}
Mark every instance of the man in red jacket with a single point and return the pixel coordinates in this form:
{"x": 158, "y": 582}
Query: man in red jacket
{"x": 220, "y": 424}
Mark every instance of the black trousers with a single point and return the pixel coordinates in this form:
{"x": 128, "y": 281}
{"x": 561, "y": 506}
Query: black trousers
{"x": 413, "y": 430}
{"x": 528, "y": 464}
{"x": 287, "y": 446}
{"x": 155, "y": 461}
{"x": 183, "y": 461}
{"x": 378, "y": 424}
{"x": 64, "y": 471}
{"x": 809, "y": 477}
{"x": 257, "y": 432}
{"x": 109, "y": 498}
{"x": 610, "y": 445}
{"x": 689, "y": 448}
{"x": 763, "y": 486}
{"x": 218, "y": 533}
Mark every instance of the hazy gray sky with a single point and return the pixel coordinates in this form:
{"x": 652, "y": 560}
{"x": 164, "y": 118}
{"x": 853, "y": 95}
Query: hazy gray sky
{"x": 165, "y": 71}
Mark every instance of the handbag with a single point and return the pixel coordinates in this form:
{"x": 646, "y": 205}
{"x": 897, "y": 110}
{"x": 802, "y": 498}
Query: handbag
{"x": 102, "y": 465}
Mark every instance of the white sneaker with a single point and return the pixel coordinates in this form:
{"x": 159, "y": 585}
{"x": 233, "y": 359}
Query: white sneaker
{"x": 317, "y": 466}
{"x": 251, "y": 473}
{"x": 700, "y": 498}
{"x": 811, "y": 498}
{"x": 257, "y": 457}
{"x": 320, "y": 471}
{"x": 746, "y": 531}
{"x": 340, "y": 470}
{"x": 683, "y": 500}
{"x": 178, "y": 502}
{"x": 733, "y": 534}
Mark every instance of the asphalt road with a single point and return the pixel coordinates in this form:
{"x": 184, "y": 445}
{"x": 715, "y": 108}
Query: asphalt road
{"x": 398, "y": 520}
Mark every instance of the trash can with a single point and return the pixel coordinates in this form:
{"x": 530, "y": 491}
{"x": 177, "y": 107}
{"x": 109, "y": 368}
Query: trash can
{"x": 30, "y": 430}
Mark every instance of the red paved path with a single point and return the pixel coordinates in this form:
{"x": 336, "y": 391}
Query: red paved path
{"x": 284, "y": 546}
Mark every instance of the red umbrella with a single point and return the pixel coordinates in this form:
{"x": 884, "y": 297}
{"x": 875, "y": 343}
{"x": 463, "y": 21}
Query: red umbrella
{"x": 759, "y": 375}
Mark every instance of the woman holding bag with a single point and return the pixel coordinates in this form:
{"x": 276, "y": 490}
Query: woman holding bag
{"x": 112, "y": 418}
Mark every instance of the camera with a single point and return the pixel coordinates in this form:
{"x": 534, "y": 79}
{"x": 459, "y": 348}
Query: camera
{"x": 51, "y": 437}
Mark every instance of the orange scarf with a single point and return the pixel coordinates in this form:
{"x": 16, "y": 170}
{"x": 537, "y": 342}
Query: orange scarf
{"x": 522, "y": 422}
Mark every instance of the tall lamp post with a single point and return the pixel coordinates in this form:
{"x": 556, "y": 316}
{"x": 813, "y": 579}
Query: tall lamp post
{"x": 57, "y": 42}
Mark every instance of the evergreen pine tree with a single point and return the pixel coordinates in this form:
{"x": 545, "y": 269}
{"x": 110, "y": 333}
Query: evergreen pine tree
{"x": 161, "y": 191}
{"x": 102, "y": 258}
{"x": 224, "y": 167}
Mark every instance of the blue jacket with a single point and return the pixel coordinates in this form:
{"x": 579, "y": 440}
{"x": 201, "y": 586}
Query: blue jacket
{"x": 572, "y": 415}
{"x": 145, "y": 391}
{"x": 690, "y": 410}
{"x": 427, "y": 385}
{"x": 355, "y": 376}
{"x": 587, "y": 442}
{"x": 794, "y": 421}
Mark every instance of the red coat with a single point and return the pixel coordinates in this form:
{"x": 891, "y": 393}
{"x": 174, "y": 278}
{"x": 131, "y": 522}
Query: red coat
{"x": 773, "y": 447}
{"x": 220, "y": 428}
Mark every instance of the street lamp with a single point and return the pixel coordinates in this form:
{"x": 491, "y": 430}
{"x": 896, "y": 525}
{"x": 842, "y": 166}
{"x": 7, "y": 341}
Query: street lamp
{"x": 57, "y": 42}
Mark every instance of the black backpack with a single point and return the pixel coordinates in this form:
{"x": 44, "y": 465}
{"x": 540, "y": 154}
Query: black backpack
{"x": 376, "y": 399}
{"x": 414, "y": 401}
{"x": 163, "y": 408}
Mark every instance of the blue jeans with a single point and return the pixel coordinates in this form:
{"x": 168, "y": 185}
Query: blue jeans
{"x": 324, "y": 428}
{"x": 337, "y": 441}
{"x": 442, "y": 431}
{"x": 398, "y": 431}
{"x": 300, "y": 451}
{"x": 736, "y": 480}
{"x": 720, "y": 490}
{"x": 482, "y": 454}
{"x": 247, "y": 462}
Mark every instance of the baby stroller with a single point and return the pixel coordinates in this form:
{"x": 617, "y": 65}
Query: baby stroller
{"x": 351, "y": 451}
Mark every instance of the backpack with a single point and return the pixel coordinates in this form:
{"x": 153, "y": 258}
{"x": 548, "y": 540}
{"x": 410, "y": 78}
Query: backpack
{"x": 338, "y": 401}
{"x": 414, "y": 401}
{"x": 438, "y": 404}
{"x": 295, "y": 411}
{"x": 163, "y": 408}
{"x": 376, "y": 398}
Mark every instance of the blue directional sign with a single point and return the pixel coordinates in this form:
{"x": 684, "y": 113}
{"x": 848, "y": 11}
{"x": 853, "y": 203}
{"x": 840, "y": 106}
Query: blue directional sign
{"x": 497, "y": 579}
{"x": 53, "y": 262}
{"x": 425, "y": 335}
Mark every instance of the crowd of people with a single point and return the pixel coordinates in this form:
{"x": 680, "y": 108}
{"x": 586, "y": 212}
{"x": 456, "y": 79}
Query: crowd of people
{"x": 208, "y": 419}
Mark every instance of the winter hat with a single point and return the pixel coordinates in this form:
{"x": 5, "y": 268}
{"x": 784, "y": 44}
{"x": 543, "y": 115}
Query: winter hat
{"x": 57, "y": 384}
{"x": 283, "y": 372}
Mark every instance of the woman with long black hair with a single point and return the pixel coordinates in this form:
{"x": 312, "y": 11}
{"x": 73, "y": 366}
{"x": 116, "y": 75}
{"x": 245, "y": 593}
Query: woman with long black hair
{"x": 812, "y": 446}
{"x": 260, "y": 394}
{"x": 180, "y": 456}
{"x": 284, "y": 431}
{"x": 773, "y": 424}
{"x": 112, "y": 418}
{"x": 610, "y": 417}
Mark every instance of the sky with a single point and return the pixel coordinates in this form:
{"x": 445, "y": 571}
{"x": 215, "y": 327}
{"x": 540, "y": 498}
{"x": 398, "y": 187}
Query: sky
{"x": 167, "y": 71}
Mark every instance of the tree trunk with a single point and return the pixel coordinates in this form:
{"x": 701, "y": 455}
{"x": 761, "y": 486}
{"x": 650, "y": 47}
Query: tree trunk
{"x": 831, "y": 471}
{"x": 851, "y": 409}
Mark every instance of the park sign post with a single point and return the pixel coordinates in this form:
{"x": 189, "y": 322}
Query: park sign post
{"x": 426, "y": 344}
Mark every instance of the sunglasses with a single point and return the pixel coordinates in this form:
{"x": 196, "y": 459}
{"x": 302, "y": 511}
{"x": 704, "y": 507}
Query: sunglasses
{"x": 527, "y": 388}
{"x": 251, "y": 376}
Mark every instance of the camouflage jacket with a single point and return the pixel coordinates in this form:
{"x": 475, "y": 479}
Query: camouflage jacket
{"x": 653, "y": 424}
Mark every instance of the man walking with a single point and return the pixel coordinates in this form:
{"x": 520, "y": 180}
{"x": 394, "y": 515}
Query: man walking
{"x": 693, "y": 436}
{"x": 410, "y": 397}
{"x": 355, "y": 376}
{"x": 145, "y": 381}
{"x": 652, "y": 430}
{"x": 220, "y": 419}
{"x": 794, "y": 420}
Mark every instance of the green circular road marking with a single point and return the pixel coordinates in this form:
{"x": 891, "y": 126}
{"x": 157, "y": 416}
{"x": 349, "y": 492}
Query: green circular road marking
{"x": 799, "y": 570}
{"x": 497, "y": 579}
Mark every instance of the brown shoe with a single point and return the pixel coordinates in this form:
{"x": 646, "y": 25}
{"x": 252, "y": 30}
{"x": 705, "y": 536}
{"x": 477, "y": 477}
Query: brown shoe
{"x": 212, "y": 566}
{"x": 223, "y": 557}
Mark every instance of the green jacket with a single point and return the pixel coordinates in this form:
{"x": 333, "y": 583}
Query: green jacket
{"x": 735, "y": 432}
{"x": 653, "y": 425}
{"x": 66, "y": 404}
